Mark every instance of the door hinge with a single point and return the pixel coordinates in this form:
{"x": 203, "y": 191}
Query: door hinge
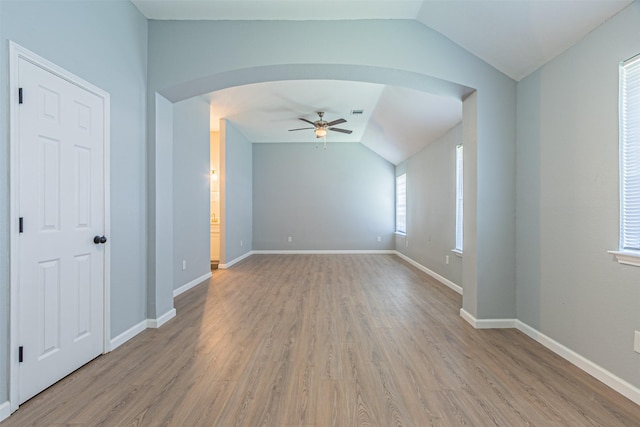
{"x": 19, "y": 95}
{"x": 20, "y": 354}
{"x": 21, "y": 224}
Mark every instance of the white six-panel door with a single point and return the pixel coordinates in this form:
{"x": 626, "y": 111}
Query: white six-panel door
{"x": 61, "y": 202}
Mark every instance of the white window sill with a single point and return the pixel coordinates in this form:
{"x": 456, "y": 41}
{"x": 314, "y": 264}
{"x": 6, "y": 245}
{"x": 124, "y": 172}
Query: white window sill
{"x": 399, "y": 233}
{"x": 628, "y": 258}
{"x": 458, "y": 252}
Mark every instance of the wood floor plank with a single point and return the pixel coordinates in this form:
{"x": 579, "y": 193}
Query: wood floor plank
{"x": 326, "y": 340}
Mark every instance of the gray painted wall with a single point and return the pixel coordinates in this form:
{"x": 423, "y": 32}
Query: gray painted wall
{"x": 470, "y": 226}
{"x": 431, "y": 206}
{"x": 340, "y": 198}
{"x": 191, "y": 195}
{"x": 190, "y": 58}
{"x": 160, "y": 237}
{"x": 569, "y": 287}
{"x": 528, "y": 201}
{"x": 237, "y": 193}
{"x": 81, "y": 37}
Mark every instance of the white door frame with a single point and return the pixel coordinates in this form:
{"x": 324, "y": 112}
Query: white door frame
{"x": 17, "y": 52}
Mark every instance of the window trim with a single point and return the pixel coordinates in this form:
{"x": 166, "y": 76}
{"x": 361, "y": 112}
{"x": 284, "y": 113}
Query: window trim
{"x": 629, "y": 145}
{"x": 397, "y": 205}
{"x": 626, "y": 257}
{"x": 459, "y": 224}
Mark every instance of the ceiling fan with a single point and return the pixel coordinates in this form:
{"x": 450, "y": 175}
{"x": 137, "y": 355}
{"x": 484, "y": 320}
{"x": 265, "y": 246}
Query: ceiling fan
{"x": 320, "y": 126}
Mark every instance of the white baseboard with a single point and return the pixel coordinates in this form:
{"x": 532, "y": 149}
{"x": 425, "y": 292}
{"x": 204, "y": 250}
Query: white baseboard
{"x": 5, "y": 410}
{"x": 487, "y": 323}
{"x": 184, "y": 288}
{"x": 324, "y": 252}
{"x": 626, "y": 389}
{"x": 448, "y": 283}
{"x": 136, "y": 329}
{"x": 305, "y": 252}
{"x": 235, "y": 261}
{"x": 156, "y": 323}
{"x": 468, "y": 317}
{"x": 127, "y": 335}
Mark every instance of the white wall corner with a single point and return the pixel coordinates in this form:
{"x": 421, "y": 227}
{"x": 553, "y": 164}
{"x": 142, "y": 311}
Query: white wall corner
{"x": 626, "y": 389}
{"x": 448, "y": 283}
{"x": 127, "y": 335}
{"x": 195, "y": 282}
{"x": 156, "y": 323}
{"x": 5, "y": 410}
{"x": 487, "y": 323}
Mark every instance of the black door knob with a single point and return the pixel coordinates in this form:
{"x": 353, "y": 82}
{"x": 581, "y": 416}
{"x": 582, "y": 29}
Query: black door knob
{"x": 99, "y": 239}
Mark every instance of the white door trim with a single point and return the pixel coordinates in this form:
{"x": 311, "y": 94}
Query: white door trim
{"x": 17, "y": 52}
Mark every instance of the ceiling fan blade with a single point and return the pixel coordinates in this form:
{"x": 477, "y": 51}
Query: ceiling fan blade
{"x": 300, "y": 129}
{"x": 341, "y": 130}
{"x": 305, "y": 120}
{"x": 336, "y": 122}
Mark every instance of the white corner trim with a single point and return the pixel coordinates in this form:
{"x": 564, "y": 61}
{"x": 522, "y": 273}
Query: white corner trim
{"x": 487, "y": 323}
{"x": 127, "y": 335}
{"x": 136, "y": 329}
{"x": 195, "y": 282}
{"x": 325, "y": 252}
{"x": 235, "y": 261}
{"x": 468, "y": 317}
{"x": 156, "y": 323}
{"x": 627, "y": 258}
{"x": 618, "y": 384}
{"x": 5, "y": 410}
{"x": 448, "y": 283}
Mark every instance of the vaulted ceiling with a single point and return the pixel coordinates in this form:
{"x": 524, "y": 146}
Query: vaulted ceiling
{"x": 514, "y": 36}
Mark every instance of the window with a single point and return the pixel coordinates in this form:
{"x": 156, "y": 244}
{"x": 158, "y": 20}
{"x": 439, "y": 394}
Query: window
{"x": 459, "y": 199}
{"x": 401, "y": 203}
{"x": 629, "y": 112}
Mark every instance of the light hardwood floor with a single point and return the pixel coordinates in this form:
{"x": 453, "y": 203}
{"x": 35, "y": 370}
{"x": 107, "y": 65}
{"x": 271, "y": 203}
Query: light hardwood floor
{"x": 326, "y": 340}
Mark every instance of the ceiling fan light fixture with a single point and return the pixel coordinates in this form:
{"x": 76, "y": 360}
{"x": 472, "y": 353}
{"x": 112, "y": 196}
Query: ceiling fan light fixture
{"x": 320, "y": 132}
{"x": 322, "y": 127}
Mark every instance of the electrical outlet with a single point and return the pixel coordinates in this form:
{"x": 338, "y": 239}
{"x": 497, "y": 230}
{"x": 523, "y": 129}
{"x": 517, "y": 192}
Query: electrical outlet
{"x": 446, "y": 259}
{"x": 289, "y": 239}
{"x": 406, "y": 243}
{"x": 636, "y": 342}
{"x": 184, "y": 264}
{"x": 379, "y": 239}
{"x": 240, "y": 243}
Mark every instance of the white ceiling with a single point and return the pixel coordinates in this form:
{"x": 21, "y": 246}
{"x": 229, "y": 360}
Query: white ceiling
{"x": 517, "y": 36}
{"x": 514, "y": 36}
{"x": 396, "y": 122}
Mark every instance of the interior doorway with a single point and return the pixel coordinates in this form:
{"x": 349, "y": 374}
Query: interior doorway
{"x": 215, "y": 199}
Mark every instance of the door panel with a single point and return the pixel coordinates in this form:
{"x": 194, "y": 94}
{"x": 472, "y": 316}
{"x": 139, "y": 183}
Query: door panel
{"x": 49, "y": 306}
{"x": 61, "y": 198}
